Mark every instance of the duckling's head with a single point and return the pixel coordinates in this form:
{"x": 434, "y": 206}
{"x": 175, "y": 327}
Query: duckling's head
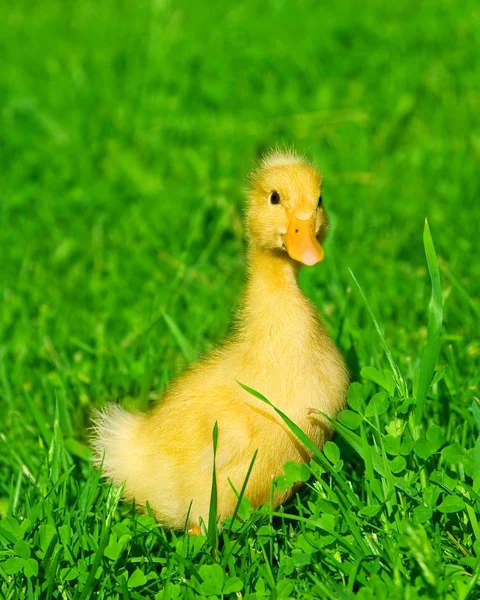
{"x": 285, "y": 213}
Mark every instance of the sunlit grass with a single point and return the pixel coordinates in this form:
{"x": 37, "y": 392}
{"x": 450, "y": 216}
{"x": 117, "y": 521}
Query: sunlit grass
{"x": 126, "y": 134}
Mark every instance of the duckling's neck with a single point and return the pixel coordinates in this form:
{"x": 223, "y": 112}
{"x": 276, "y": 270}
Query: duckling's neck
{"x": 270, "y": 273}
{"x": 273, "y": 301}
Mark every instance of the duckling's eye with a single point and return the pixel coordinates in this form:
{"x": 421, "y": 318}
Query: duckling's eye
{"x": 320, "y": 201}
{"x": 274, "y": 197}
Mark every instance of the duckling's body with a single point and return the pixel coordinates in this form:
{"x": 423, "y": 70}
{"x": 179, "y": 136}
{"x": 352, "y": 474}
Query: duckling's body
{"x": 279, "y": 348}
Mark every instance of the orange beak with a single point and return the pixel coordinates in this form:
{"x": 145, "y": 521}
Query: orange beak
{"x": 301, "y": 242}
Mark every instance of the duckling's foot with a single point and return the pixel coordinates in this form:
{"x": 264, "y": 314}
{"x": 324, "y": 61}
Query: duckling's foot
{"x": 195, "y": 530}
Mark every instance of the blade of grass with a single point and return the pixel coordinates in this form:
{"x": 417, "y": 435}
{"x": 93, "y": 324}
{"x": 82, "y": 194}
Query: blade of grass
{"x": 242, "y": 491}
{"x": 306, "y": 441}
{"x": 399, "y": 381}
{"x": 237, "y": 507}
{"x": 212, "y": 515}
{"x": 435, "y": 318}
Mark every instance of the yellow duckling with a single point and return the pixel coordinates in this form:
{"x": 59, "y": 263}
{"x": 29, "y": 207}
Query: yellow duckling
{"x": 279, "y": 348}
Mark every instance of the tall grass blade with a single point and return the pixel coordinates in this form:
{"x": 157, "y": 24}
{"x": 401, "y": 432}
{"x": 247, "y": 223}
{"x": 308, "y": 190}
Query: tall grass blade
{"x": 306, "y": 441}
{"x": 242, "y": 491}
{"x": 435, "y": 319}
{"x": 212, "y": 514}
{"x": 399, "y": 381}
{"x": 301, "y": 435}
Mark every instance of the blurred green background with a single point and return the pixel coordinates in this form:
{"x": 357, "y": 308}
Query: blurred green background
{"x": 127, "y": 130}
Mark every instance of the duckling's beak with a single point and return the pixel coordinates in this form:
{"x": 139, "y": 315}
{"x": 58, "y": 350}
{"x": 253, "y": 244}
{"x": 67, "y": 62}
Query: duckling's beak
{"x": 301, "y": 242}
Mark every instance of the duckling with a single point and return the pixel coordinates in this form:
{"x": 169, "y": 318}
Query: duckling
{"x": 279, "y": 348}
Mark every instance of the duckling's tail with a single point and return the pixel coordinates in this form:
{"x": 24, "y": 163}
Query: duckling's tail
{"x": 113, "y": 441}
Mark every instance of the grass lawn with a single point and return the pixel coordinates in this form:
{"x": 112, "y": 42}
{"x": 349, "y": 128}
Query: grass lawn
{"x": 127, "y": 130}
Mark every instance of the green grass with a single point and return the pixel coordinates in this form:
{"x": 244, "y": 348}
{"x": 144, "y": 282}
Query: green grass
{"x": 127, "y": 130}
